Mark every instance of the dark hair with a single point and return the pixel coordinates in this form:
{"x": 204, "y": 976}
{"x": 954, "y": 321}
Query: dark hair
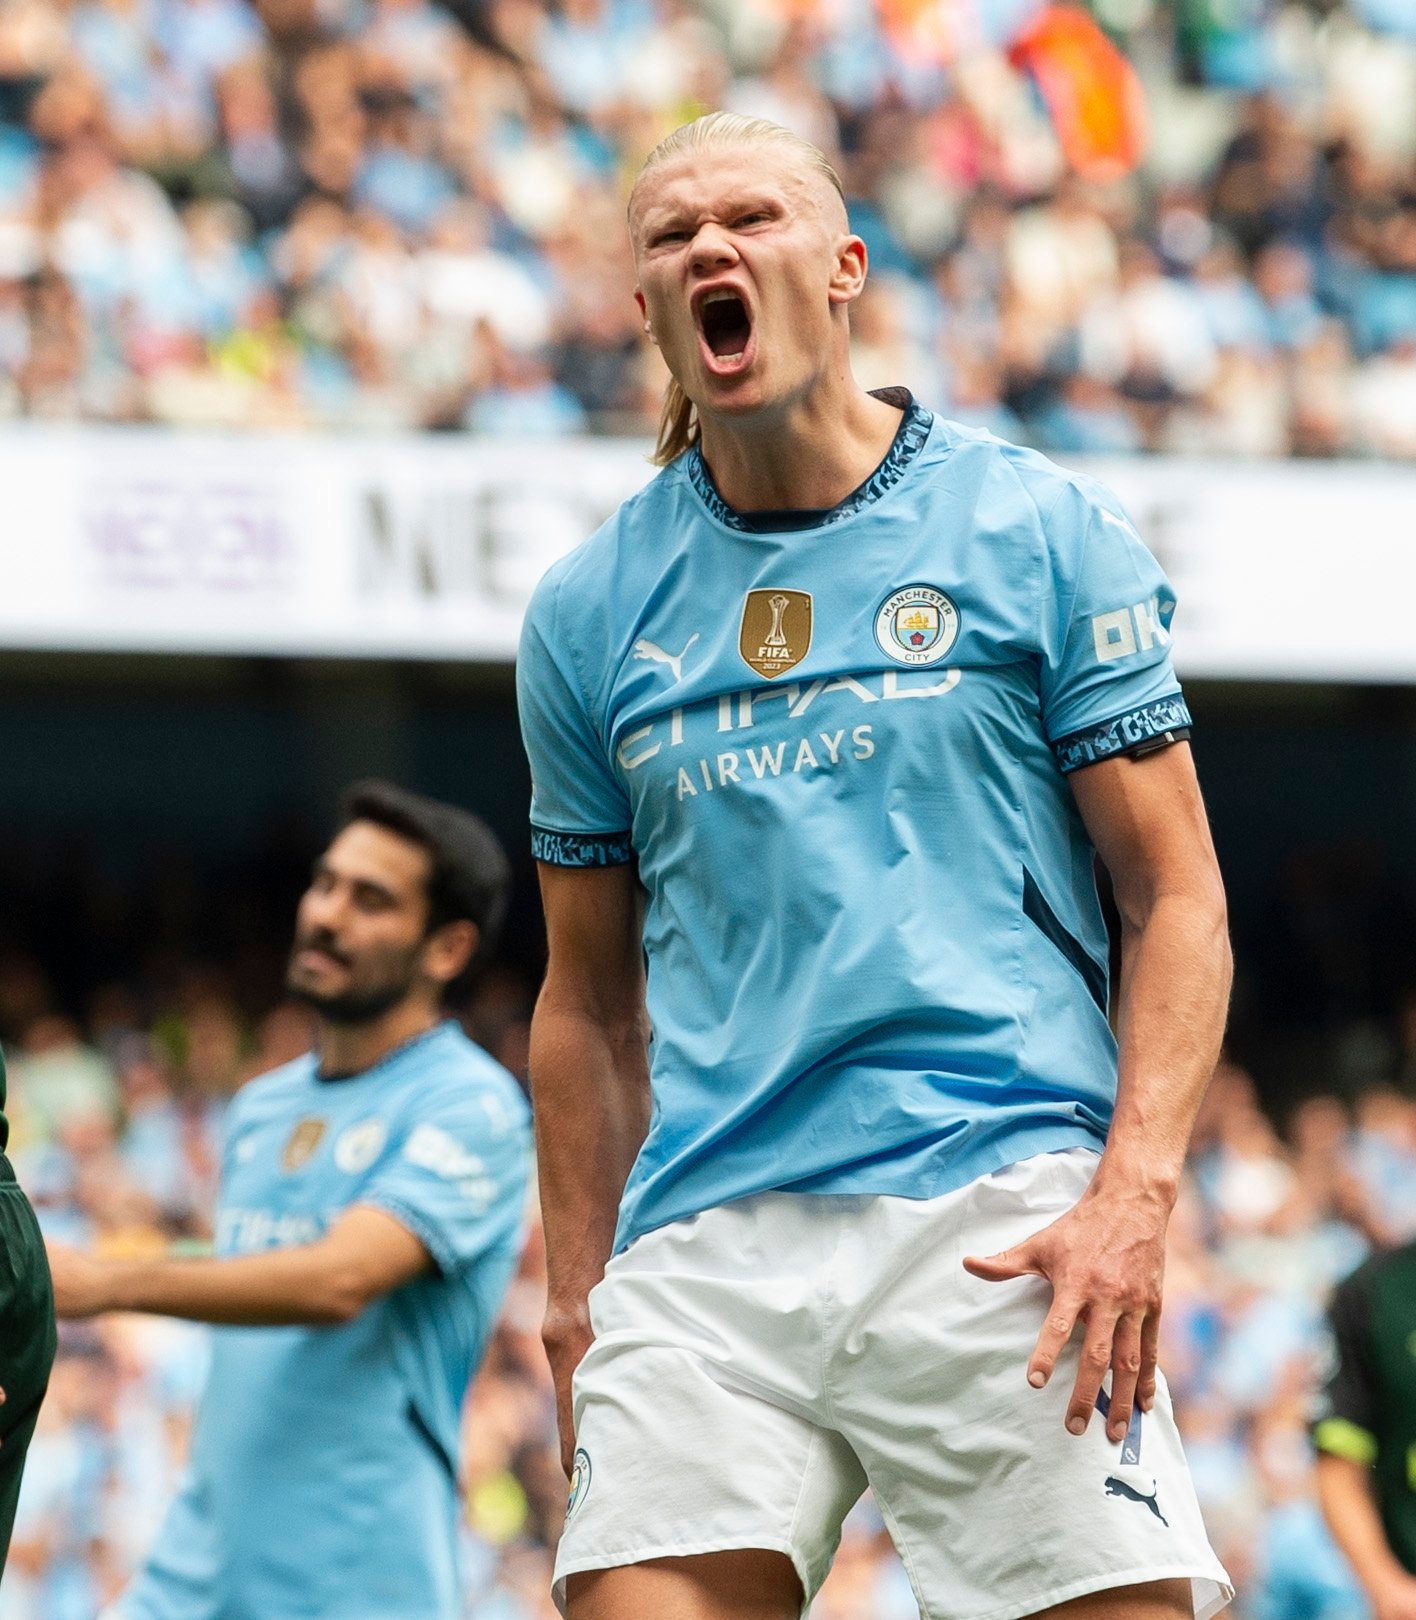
{"x": 469, "y": 878}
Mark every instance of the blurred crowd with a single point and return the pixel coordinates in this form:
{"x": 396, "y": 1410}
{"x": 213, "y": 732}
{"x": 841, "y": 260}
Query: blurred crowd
{"x": 117, "y": 1123}
{"x": 395, "y": 214}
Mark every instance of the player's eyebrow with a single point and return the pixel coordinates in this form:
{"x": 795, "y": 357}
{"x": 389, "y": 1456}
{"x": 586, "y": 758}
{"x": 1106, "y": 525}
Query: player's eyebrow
{"x": 369, "y": 890}
{"x": 670, "y": 216}
{"x": 753, "y": 202}
{"x": 368, "y": 887}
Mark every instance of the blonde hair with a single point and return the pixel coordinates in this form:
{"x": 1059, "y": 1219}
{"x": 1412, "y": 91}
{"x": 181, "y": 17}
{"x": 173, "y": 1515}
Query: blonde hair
{"x": 678, "y": 422}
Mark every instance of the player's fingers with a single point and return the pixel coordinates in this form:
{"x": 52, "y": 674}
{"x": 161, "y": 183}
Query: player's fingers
{"x": 1150, "y": 1359}
{"x": 1021, "y": 1261}
{"x": 1056, "y": 1330}
{"x": 1096, "y": 1358}
{"x": 1125, "y": 1371}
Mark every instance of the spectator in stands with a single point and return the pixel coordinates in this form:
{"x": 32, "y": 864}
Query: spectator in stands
{"x": 398, "y": 180}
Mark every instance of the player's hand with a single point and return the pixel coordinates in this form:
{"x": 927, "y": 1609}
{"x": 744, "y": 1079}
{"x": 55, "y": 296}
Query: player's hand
{"x": 79, "y": 1281}
{"x": 566, "y": 1336}
{"x": 1105, "y": 1259}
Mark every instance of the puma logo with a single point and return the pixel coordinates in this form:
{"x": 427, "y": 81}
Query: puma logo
{"x": 1115, "y": 522}
{"x": 647, "y": 649}
{"x": 1119, "y": 1487}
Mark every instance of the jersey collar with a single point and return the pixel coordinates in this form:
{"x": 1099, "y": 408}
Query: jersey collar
{"x": 327, "y": 1078}
{"x": 908, "y": 442}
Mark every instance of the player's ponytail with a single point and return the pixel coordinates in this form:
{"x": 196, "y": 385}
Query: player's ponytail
{"x": 678, "y": 426}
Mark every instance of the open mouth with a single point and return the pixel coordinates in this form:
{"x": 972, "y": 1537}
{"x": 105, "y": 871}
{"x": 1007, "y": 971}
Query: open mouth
{"x": 726, "y": 327}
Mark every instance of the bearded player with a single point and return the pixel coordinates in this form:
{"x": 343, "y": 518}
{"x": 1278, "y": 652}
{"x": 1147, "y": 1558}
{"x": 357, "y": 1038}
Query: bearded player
{"x": 827, "y": 725}
{"x": 369, "y": 1219}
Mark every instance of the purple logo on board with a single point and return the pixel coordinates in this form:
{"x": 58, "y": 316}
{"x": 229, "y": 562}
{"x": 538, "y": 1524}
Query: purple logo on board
{"x": 160, "y": 534}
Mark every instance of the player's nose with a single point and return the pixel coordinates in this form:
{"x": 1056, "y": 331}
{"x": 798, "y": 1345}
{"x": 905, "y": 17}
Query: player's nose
{"x": 323, "y": 909}
{"x": 712, "y": 248}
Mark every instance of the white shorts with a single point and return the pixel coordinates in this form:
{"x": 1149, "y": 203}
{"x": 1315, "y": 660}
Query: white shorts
{"x": 757, "y": 1366}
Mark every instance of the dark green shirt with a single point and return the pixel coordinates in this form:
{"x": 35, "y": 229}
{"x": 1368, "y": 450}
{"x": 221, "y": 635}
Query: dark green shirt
{"x": 4, "y": 1123}
{"x": 1367, "y": 1407}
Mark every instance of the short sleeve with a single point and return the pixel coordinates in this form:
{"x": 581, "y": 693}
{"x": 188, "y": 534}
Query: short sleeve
{"x": 457, "y": 1178}
{"x": 1344, "y": 1413}
{"x": 1108, "y": 685}
{"x": 579, "y": 810}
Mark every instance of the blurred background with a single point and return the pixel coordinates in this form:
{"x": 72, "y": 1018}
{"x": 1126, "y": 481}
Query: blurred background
{"x": 293, "y": 295}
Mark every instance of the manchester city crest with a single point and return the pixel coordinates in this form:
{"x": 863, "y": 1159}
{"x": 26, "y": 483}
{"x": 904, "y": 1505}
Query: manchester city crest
{"x": 917, "y": 625}
{"x": 579, "y": 1480}
{"x": 358, "y": 1147}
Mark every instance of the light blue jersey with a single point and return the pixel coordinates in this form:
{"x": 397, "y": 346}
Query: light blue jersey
{"x": 838, "y": 752}
{"x": 323, "y": 1479}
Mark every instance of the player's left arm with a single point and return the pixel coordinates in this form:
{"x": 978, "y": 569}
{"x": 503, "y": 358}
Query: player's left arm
{"x": 1105, "y": 1259}
{"x": 365, "y": 1253}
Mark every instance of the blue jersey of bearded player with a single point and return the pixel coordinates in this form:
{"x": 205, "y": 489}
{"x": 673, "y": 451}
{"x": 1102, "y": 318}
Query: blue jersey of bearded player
{"x": 837, "y": 745}
{"x": 323, "y": 1478}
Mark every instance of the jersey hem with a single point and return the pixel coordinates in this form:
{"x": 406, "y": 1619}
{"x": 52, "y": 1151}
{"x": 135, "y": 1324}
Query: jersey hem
{"x": 1024, "y": 1142}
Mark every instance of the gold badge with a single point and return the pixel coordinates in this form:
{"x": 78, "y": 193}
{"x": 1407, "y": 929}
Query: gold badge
{"x": 776, "y": 630}
{"x": 304, "y": 1139}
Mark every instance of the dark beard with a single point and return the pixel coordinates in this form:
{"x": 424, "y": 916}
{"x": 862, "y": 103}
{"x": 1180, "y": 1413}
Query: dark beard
{"x": 350, "y": 1007}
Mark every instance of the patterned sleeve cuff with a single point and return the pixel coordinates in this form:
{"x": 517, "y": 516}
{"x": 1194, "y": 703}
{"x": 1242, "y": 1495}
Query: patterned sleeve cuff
{"x": 1341, "y": 1438}
{"x": 1167, "y": 720}
{"x": 440, "y": 1251}
{"x": 581, "y": 849}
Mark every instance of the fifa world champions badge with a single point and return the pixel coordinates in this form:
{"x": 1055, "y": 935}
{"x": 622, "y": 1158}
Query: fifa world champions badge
{"x": 775, "y": 633}
{"x": 917, "y": 625}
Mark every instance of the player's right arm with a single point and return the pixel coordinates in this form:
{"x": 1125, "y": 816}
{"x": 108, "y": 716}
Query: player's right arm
{"x": 1345, "y": 1436}
{"x": 590, "y": 1091}
{"x": 589, "y": 1065}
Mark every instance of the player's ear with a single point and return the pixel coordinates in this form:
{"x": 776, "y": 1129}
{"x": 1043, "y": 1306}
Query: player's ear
{"x": 449, "y": 949}
{"x": 644, "y": 311}
{"x": 848, "y": 277}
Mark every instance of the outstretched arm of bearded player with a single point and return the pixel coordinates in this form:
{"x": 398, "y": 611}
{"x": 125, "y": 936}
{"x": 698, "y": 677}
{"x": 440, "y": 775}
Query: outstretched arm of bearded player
{"x": 365, "y": 1253}
{"x": 1105, "y": 1258}
{"x": 590, "y": 1089}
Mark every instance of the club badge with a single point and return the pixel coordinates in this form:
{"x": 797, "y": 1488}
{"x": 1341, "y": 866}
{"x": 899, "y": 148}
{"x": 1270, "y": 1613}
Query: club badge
{"x": 358, "y": 1147}
{"x": 579, "y": 1481}
{"x": 917, "y": 625}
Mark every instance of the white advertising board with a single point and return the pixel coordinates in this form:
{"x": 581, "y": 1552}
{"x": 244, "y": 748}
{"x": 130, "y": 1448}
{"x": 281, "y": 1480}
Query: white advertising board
{"x": 428, "y": 547}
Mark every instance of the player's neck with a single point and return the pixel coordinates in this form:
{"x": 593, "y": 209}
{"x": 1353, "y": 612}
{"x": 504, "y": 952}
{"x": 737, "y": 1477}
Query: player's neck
{"x": 345, "y": 1049}
{"x": 810, "y": 454}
